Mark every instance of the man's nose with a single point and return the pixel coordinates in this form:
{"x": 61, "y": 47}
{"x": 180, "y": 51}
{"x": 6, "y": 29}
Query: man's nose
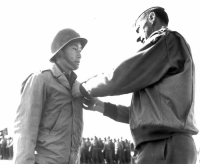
{"x": 79, "y": 54}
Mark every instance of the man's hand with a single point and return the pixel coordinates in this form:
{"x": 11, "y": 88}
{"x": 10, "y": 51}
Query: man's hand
{"x": 89, "y": 103}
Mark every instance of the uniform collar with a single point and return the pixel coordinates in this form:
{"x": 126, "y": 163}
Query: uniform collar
{"x": 61, "y": 76}
{"x": 163, "y": 29}
{"x": 56, "y": 71}
{"x": 155, "y": 34}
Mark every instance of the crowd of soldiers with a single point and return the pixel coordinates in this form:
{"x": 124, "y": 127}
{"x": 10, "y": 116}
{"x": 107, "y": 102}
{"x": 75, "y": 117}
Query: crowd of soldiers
{"x": 107, "y": 151}
{"x": 6, "y": 146}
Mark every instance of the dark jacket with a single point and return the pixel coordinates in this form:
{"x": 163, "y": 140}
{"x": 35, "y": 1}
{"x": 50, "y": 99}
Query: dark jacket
{"x": 161, "y": 77}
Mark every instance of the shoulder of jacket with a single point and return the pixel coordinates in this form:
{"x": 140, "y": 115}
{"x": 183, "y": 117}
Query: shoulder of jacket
{"x": 176, "y": 34}
{"x": 43, "y": 72}
{"x": 36, "y": 75}
{"x": 43, "y": 75}
{"x": 46, "y": 74}
{"x": 175, "y": 37}
{"x": 171, "y": 33}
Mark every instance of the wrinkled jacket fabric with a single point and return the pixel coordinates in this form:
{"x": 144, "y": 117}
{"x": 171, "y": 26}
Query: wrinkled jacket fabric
{"x": 161, "y": 77}
{"x": 49, "y": 121}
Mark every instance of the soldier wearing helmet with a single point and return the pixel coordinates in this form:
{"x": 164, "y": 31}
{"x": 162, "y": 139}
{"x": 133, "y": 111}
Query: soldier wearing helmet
{"x": 67, "y": 58}
{"x": 49, "y": 120}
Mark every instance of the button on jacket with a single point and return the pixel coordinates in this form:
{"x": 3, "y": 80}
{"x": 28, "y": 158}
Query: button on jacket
{"x": 161, "y": 78}
{"x": 49, "y": 121}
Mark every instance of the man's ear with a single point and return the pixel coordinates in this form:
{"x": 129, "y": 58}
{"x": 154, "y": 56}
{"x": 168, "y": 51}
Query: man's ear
{"x": 152, "y": 17}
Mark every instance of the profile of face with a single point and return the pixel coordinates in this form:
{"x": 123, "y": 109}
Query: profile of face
{"x": 71, "y": 54}
{"x": 144, "y": 27}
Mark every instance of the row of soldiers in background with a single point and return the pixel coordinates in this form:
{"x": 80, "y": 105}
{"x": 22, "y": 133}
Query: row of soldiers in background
{"x": 98, "y": 151}
{"x": 6, "y": 146}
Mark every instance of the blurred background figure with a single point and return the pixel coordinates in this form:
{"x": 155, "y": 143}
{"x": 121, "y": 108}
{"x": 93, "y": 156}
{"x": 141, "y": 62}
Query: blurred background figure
{"x": 108, "y": 151}
{"x": 118, "y": 152}
{"x": 127, "y": 151}
{"x": 101, "y": 155}
{"x": 95, "y": 151}
{"x": 83, "y": 158}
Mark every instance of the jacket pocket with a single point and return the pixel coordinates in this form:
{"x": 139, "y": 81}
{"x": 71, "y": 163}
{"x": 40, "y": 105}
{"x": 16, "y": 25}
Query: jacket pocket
{"x": 160, "y": 148}
{"x": 57, "y": 122}
{"x": 152, "y": 150}
{"x": 164, "y": 149}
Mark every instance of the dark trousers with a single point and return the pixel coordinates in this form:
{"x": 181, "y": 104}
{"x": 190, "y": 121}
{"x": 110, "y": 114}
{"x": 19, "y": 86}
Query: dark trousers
{"x": 101, "y": 156}
{"x": 127, "y": 156}
{"x": 95, "y": 156}
{"x": 3, "y": 153}
{"x": 83, "y": 155}
{"x": 108, "y": 156}
{"x": 10, "y": 152}
{"x": 178, "y": 149}
{"x": 119, "y": 156}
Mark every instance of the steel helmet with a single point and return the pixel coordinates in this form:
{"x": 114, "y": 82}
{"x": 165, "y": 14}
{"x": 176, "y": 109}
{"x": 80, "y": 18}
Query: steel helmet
{"x": 62, "y": 38}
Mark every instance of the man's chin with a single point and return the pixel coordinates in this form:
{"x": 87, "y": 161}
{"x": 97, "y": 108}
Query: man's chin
{"x": 76, "y": 67}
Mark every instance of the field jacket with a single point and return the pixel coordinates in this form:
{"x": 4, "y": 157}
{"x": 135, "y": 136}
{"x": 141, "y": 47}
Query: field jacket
{"x": 161, "y": 78}
{"x": 49, "y": 121}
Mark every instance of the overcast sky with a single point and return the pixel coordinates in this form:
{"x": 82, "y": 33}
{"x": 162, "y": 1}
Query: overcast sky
{"x": 28, "y": 27}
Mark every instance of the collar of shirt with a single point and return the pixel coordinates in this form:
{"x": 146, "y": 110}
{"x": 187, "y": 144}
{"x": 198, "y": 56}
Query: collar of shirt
{"x": 62, "y": 77}
{"x": 163, "y": 28}
{"x": 154, "y": 35}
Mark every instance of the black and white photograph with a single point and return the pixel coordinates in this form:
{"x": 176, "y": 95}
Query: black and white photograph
{"x": 99, "y": 82}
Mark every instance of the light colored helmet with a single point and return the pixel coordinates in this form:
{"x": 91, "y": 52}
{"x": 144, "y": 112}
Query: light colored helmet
{"x": 62, "y": 38}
